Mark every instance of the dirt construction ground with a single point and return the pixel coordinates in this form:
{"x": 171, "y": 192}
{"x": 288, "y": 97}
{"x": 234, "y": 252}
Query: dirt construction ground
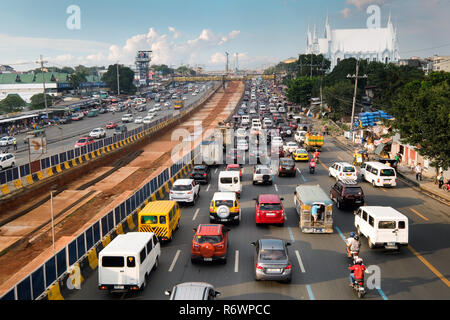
{"x": 76, "y": 209}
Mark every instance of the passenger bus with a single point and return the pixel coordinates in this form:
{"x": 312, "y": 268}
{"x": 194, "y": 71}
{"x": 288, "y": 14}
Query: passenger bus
{"x": 178, "y": 104}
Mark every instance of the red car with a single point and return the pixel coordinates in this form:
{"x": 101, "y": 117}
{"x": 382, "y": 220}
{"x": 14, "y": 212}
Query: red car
{"x": 210, "y": 243}
{"x": 111, "y": 125}
{"x": 84, "y": 141}
{"x": 269, "y": 209}
{"x": 293, "y": 125}
{"x": 234, "y": 167}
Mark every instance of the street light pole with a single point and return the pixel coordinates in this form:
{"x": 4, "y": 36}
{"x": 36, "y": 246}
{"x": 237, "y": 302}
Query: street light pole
{"x": 118, "y": 84}
{"x": 41, "y": 62}
{"x": 356, "y": 77}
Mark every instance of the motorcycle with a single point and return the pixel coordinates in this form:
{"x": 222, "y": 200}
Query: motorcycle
{"x": 311, "y": 170}
{"x": 358, "y": 287}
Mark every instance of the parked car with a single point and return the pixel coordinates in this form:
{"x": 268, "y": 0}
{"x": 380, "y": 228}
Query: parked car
{"x": 120, "y": 129}
{"x": 271, "y": 260}
{"x": 201, "y": 173}
{"x": 7, "y": 160}
{"x": 210, "y": 243}
{"x": 84, "y": 141}
{"x": 347, "y": 193}
{"x": 7, "y": 141}
{"x": 111, "y": 125}
{"x": 343, "y": 170}
{"x": 185, "y": 190}
{"x": 192, "y": 291}
{"x": 269, "y": 209}
{"x": 287, "y": 167}
{"x": 65, "y": 120}
{"x": 262, "y": 174}
{"x": 224, "y": 207}
{"x": 77, "y": 116}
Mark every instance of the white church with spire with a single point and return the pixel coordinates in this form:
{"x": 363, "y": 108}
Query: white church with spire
{"x": 372, "y": 44}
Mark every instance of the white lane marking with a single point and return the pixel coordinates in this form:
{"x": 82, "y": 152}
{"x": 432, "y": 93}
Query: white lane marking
{"x": 300, "y": 261}
{"x": 207, "y": 188}
{"x": 195, "y": 214}
{"x": 236, "y": 262}
{"x": 215, "y": 171}
{"x": 299, "y": 171}
{"x": 174, "y": 260}
{"x": 276, "y": 187}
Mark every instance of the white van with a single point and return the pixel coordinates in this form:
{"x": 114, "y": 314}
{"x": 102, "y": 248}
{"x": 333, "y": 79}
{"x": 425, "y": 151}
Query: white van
{"x": 300, "y": 136}
{"x": 245, "y": 120}
{"x": 379, "y": 174}
{"x": 125, "y": 263}
{"x": 382, "y": 226}
{"x": 230, "y": 181}
{"x": 343, "y": 170}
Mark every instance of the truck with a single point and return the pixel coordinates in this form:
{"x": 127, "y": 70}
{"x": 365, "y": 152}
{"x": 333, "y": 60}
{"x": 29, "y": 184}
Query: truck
{"x": 313, "y": 141}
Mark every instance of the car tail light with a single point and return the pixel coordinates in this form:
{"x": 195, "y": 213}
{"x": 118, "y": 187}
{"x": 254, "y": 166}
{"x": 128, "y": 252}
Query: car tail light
{"x": 259, "y": 267}
{"x": 220, "y": 246}
{"x": 171, "y": 192}
{"x": 103, "y": 288}
{"x": 289, "y": 267}
{"x": 134, "y": 288}
{"x": 196, "y": 246}
{"x": 192, "y": 174}
{"x": 204, "y": 174}
{"x": 340, "y": 173}
{"x": 189, "y": 192}
{"x": 378, "y": 180}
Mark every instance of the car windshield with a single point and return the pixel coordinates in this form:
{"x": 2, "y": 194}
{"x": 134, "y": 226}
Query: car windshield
{"x": 286, "y": 162}
{"x": 387, "y": 173}
{"x": 349, "y": 169}
{"x": 272, "y": 254}
{"x": 350, "y": 190}
{"x": 182, "y": 187}
{"x": 208, "y": 239}
{"x": 270, "y": 206}
{"x": 149, "y": 219}
{"x": 82, "y": 140}
{"x": 232, "y": 169}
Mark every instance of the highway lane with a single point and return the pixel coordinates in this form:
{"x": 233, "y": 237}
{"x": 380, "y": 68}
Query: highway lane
{"x": 319, "y": 261}
{"x": 65, "y": 139}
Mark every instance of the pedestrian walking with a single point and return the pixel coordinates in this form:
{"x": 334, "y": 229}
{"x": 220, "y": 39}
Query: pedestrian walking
{"x": 15, "y": 145}
{"x": 418, "y": 169}
{"x": 440, "y": 179}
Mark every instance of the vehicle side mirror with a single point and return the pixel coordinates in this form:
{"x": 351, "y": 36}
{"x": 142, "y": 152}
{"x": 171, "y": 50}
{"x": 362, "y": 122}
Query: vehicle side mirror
{"x": 227, "y": 229}
{"x": 295, "y": 192}
{"x": 355, "y": 212}
{"x": 253, "y": 243}
{"x": 254, "y": 199}
{"x": 281, "y": 199}
{"x": 167, "y": 292}
{"x": 217, "y": 293}
{"x": 288, "y": 243}
{"x": 194, "y": 229}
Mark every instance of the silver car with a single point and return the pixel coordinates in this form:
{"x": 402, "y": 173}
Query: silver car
{"x": 192, "y": 291}
{"x": 271, "y": 260}
{"x": 262, "y": 174}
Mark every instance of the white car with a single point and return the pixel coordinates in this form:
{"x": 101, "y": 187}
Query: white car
{"x": 167, "y": 104}
{"x": 300, "y": 136}
{"x": 184, "y": 98}
{"x": 157, "y": 107}
{"x": 281, "y": 109}
{"x": 185, "y": 190}
{"x": 138, "y": 120}
{"x": 7, "y": 160}
{"x": 241, "y": 133}
{"x": 7, "y": 141}
{"x": 152, "y": 110}
{"x": 127, "y": 117}
{"x": 290, "y": 147}
{"x": 194, "y": 93}
{"x": 343, "y": 170}
{"x": 242, "y": 144}
{"x": 147, "y": 119}
{"x": 98, "y": 133}
{"x": 277, "y": 141}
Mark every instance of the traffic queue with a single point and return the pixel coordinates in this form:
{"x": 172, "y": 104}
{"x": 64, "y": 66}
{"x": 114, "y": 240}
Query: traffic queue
{"x": 271, "y": 140}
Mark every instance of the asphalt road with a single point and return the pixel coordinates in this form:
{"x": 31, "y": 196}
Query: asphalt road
{"x": 63, "y": 140}
{"x": 319, "y": 260}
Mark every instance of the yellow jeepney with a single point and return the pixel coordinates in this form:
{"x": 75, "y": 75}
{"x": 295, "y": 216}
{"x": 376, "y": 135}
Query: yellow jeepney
{"x": 161, "y": 217}
{"x": 313, "y": 141}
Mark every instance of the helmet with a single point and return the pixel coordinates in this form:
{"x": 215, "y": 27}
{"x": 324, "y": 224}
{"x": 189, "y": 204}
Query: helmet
{"x": 352, "y": 234}
{"x": 359, "y": 260}
{"x": 356, "y": 237}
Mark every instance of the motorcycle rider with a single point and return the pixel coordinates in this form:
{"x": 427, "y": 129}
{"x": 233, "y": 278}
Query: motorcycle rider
{"x": 350, "y": 238}
{"x": 312, "y": 165}
{"x": 357, "y": 272}
{"x": 316, "y": 155}
{"x": 353, "y": 246}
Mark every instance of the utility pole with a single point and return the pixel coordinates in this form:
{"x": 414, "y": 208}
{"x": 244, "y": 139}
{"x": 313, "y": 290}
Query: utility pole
{"x": 356, "y": 77}
{"x": 226, "y": 68}
{"x": 118, "y": 85}
{"x": 41, "y": 62}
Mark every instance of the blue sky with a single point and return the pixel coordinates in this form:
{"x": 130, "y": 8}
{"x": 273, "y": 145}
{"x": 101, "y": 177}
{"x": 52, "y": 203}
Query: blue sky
{"x": 263, "y": 32}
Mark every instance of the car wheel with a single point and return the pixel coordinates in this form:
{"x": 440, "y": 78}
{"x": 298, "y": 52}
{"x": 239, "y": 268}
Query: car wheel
{"x": 369, "y": 242}
{"x": 193, "y": 261}
{"x": 373, "y": 183}
{"x": 358, "y": 231}
{"x": 156, "y": 265}
{"x": 254, "y": 182}
{"x": 13, "y": 164}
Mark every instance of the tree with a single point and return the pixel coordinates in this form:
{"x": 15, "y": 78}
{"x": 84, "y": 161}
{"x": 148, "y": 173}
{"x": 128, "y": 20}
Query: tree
{"x": 126, "y": 77}
{"x": 312, "y": 63}
{"x": 37, "y": 101}
{"x": 76, "y": 79}
{"x": 12, "y": 103}
{"x": 164, "y": 69}
{"x": 339, "y": 99}
{"x": 300, "y": 90}
{"x": 422, "y": 117}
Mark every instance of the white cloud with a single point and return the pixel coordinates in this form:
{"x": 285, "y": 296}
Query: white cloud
{"x": 176, "y": 33}
{"x": 218, "y": 58}
{"x": 346, "y": 12}
{"x": 361, "y": 4}
{"x": 233, "y": 34}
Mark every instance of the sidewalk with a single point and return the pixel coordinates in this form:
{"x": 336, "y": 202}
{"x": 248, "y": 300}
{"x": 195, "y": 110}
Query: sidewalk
{"x": 426, "y": 185}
